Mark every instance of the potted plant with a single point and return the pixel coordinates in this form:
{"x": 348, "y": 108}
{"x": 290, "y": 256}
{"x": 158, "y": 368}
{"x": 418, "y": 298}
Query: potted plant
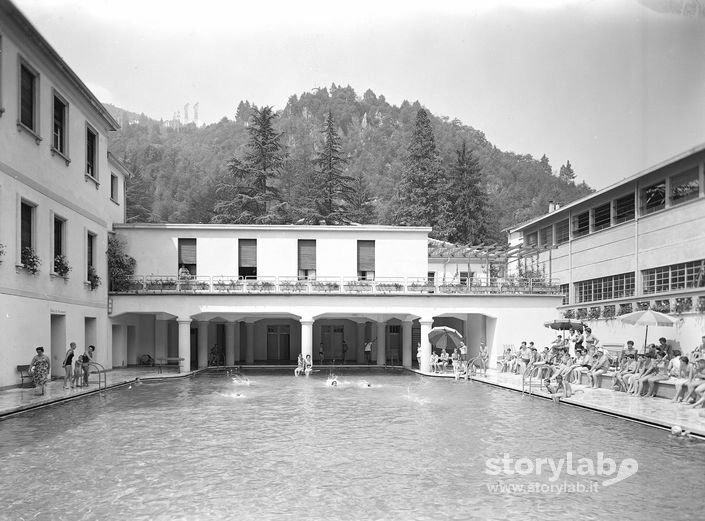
{"x": 61, "y": 266}
{"x": 30, "y": 260}
{"x": 93, "y": 278}
{"x": 625, "y": 308}
{"x": 609, "y": 311}
{"x": 569, "y": 313}
{"x": 594, "y": 313}
{"x": 683, "y": 304}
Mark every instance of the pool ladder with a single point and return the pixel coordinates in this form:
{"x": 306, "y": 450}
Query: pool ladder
{"x": 102, "y": 377}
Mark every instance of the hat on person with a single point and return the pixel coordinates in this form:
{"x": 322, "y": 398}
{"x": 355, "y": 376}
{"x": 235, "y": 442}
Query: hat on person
{"x": 40, "y": 349}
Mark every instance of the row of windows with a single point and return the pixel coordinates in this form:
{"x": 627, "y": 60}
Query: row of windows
{"x": 29, "y": 118}
{"x": 605, "y": 288}
{"x": 682, "y": 187}
{"x": 59, "y": 234}
{"x": 247, "y": 258}
{"x": 663, "y": 279}
{"x": 674, "y": 277}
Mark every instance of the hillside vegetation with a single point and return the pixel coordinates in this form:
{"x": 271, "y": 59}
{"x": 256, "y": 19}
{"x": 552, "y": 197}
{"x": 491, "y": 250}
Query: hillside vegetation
{"x": 177, "y": 171}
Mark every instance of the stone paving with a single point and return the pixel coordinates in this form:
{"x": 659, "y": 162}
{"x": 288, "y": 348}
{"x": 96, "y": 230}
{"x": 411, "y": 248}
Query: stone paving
{"x": 655, "y": 411}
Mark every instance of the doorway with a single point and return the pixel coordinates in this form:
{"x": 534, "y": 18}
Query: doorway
{"x": 394, "y": 345}
{"x": 58, "y": 346}
{"x": 332, "y": 341}
{"x": 278, "y": 343}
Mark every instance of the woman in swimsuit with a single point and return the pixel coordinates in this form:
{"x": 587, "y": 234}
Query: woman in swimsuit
{"x": 300, "y": 365}
{"x": 308, "y": 365}
{"x": 39, "y": 369}
{"x": 660, "y": 373}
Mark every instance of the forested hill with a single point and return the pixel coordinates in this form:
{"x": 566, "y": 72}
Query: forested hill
{"x": 176, "y": 170}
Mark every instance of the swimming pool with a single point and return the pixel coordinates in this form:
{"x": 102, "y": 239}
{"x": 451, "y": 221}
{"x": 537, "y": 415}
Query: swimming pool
{"x": 408, "y": 447}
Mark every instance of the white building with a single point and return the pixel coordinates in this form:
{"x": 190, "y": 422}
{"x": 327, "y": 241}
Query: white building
{"x": 638, "y": 243}
{"x": 60, "y": 194}
{"x": 264, "y": 294}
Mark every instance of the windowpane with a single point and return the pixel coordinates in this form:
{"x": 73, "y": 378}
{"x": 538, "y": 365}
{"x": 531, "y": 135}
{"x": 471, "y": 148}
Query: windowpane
{"x": 26, "y": 217}
{"x": 531, "y": 239}
{"x": 59, "y": 125}
{"x": 113, "y": 187}
{"x": 653, "y": 198}
{"x": 602, "y": 216}
{"x": 187, "y": 255}
{"x": 58, "y": 237}
{"x": 674, "y": 277}
{"x": 91, "y": 151}
{"x": 365, "y": 256}
{"x": 28, "y": 85}
{"x": 546, "y": 236}
{"x": 581, "y": 224}
{"x": 685, "y": 186}
{"x": 307, "y": 254}
{"x": 247, "y": 257}
{"x": 624, "y": 209}
{"x": 562, "y": 232}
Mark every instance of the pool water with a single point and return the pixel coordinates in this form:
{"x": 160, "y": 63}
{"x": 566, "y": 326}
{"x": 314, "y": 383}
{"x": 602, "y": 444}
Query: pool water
{"x": 280, "y": 447}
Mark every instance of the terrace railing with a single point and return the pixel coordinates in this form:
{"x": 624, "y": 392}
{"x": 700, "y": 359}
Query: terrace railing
{"x": 226, "y": 284}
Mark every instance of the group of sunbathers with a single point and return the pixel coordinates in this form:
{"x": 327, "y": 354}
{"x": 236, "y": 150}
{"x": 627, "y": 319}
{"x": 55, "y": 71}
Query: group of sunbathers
{"x": 304, "y": 365}
{"x": 459, "y": 362}
{"x": 634, "y": 373}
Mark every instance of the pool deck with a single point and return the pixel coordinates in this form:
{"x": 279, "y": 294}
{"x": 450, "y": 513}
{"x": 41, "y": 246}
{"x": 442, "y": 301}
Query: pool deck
{"x": 658, "y": 412}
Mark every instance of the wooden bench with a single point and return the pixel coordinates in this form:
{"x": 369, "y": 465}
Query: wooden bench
{"x": 161, "y": 362}
{"x": 24, "y": 374}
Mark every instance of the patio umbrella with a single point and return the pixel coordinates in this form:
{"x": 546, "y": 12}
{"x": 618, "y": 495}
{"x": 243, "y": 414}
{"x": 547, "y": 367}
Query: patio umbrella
{"x": 564, "y": 324}
{"x": 647, "y": 318}
{"x": 444, "y": 337}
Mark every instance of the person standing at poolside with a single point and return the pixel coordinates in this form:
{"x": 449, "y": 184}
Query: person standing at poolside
{"x": 321, "y": 353}
{"x": 345, "y": 350}
{"x": 368, "y": 351}
{"x": 87, "y": 359}
{"x": 39, "y": 369}
{"x": 68, "y": 365}
{"x": 418, "y": 354}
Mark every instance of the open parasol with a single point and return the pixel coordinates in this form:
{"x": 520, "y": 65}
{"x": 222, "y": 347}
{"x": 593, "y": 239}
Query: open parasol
{"x": 647, "y": 318}
{"x": 444, "y": 337}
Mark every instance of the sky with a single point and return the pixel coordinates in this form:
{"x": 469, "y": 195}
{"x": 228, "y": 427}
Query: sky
{"x": 612, "y": 86}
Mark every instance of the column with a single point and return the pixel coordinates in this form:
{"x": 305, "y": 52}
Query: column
{"x": 306, "y": 338}
{"x": 202, "y": 344}
{"x": 407, "y": 354}
{"x": 426, "y": 325}
{"x": 232, "y": 330}
{"x": 360, "y": 344}
{"x": 250, "y": 346}
{"x": 381, "y": 343}
{"x": 184, "y": 345}
{"x": 161, "y": 339}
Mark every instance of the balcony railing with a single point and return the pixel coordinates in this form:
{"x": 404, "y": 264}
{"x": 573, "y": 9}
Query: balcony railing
{"x": 171, "y": 284}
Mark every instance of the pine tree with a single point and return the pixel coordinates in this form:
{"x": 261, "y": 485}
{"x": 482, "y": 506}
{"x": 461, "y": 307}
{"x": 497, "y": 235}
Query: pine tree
{"x": 421, "y": 198}
{"x": 335, "y": 186}
{"x": 246, "y": 193}
{"x": 566, "y": 173}
{"x": 362, "y": 207}
{"x": 469, "y": 200}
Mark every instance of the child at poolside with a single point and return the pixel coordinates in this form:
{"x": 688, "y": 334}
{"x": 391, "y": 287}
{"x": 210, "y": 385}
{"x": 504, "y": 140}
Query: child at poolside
{"x": 659, "y": 374}
{"x": 626, "y": 369}
{"x": 562, "y": 389}
{"x": 300, "y": 365}
{"x": 308, "y": 365}
{"x": 682, "y": 376}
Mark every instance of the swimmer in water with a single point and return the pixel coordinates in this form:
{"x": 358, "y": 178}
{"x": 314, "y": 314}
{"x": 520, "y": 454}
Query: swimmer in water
{"x": 364, "y": 383}
{"x": 333, "y": 381}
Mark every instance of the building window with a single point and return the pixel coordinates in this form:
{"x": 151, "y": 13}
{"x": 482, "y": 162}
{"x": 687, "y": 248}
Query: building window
{"x": 531, "y": 239}
{"x": 602, "y": 217}
{"x": 307, "y": 259}
{"x": 685, "y": 186}
{"x": 187, "y": 256}
{"x": 546, "y": 237}
{"x": 90, "y": 254}
{"x": 674, "y": 277}
{"x": 247, "y": 258}
{"x": 624, "y": 209}
{"x": 653, "y": 198}
{"x": 465, "y": 278}
{"x": 59, "y": 232}
{"x": 431, "y": 277}
{"x": 581, "y": 224}
{"x": 29, "y": 87}
{"x": 27, "y": 211}
{"x": 366, "y": 260}
{"x": 565, "y": 289}
{"x": 60, "y": 126}
{"x": 91, "y": 153}
{"x": 114, "y": 187}
{"x": 562, "y": 231}
{"x": 605, "y": 288}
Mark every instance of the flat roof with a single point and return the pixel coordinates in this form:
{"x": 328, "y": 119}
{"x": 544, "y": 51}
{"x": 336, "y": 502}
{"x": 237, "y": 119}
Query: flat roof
{"x": 679, "y": 157}
{"x": 274, "y": 227}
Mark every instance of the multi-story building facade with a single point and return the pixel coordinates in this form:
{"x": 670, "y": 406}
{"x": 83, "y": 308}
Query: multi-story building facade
{"x": 264, "y": 294}
{"x": 60, "y": 193}
{"x": 638, "y": 243}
